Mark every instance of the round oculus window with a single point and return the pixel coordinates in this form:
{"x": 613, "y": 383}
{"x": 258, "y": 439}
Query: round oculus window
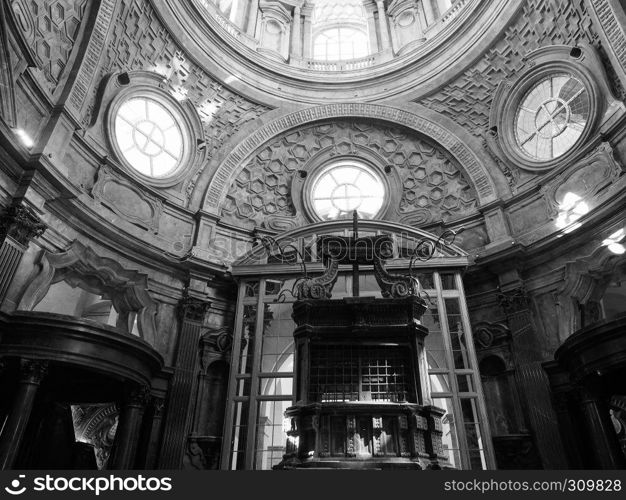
{"x": 149, "y": 136}
{"x": 340, "y": 189}
{"x": 551, "y": 117}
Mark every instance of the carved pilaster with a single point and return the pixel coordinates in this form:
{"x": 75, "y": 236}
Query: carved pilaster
{"x": 420, "y": 427}
{"x": 192, "y": 312}
{"x": 21, "y": 224}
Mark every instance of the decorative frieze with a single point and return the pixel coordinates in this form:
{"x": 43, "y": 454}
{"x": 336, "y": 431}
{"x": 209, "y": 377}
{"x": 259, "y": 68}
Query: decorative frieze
{"x": 269, "y": 192}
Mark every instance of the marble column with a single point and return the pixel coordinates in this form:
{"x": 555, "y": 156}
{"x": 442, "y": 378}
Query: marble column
{"x": 296, "y": 34}
{"x": 31, "y": 374}
{"x": 383, "y": 25}
{"x": 129, "y": 427}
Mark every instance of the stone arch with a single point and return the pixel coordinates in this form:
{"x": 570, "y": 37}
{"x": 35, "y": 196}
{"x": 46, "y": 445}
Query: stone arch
{"x": 475, "y": 168}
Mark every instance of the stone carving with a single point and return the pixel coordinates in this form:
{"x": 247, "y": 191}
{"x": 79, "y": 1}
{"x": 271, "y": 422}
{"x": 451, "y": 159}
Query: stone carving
{"x": 488, "y": 335}
{"x": 21, "y": 224}
{"x": 93, "y": 53}
{"x": 613, "y": 30}
{"x": 126, "y": 200}
{"x": 586, "y": 179}
{"x": 434, "y": 184}
{"x": 467, "y": 100}
{"x": 80, "y": 266}
{"x": 492, "y": 147}
{"x": 215, "y": 344}
{"x": 51, "y": 30}
{"x": 192, "y": 308}
{"x": 96, "y": 424}
{"x": 514, "y": 301}
{"x": 233, "y": 164}
{"x": 140, "y": 42}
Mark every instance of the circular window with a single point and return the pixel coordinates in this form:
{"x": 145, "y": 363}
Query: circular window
{"x": 552, "y": 116}
{"x": 149, "y": 136}
{"x": 341, "y": 188}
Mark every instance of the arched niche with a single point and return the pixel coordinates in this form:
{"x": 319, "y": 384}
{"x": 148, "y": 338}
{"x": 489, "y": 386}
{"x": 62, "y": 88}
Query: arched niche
{"x": 80, "y": 266}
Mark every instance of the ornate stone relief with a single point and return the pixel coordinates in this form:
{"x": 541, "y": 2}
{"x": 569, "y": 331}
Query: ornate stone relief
{"x": 126, "y": 200}
{"x": 467, "y": 100}
{"x": 475, "y": 169}
{"x": 140, "y": 41}
{"x": 435, "y": 187}
{"x": 80, "y": 266}
{"x": 586, "y": 179}
{"x": 50, "y": 27}
{"x": 96, "y": 424}
{"x": 21, "y": 224}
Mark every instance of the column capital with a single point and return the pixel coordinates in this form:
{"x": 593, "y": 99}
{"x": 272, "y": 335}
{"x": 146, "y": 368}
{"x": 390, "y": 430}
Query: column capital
{"x": 136, "y": 395}
{"x": 20, "y": 223}
{"x": 33, "y": 371}
{"x": 514, "y": 300}
{"x": 158, "y": 404}
{"x": 193, "y": 308}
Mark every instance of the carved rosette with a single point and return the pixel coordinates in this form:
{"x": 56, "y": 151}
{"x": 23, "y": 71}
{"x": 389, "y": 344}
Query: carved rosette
{"x": 33, "y": 371}
{"x": 21, "y": 224}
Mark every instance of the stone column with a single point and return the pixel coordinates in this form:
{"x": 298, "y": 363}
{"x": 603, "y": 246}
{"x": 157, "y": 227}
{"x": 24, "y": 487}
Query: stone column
{"x": 370, "y": 8}
{"x": 307, "y": 13}
{"x": 253, "y": 14}
{"x": 192, "y": 312}
{"x": 31, "y": 374}
{"x": 604, "y": 447}
{"x": 129, "y": 427}
{"x": 18, "y": 225}
{"x": 296, "y": 34}
{"x": 429, "y": 11}
{"x": 148, "y": 453}
{"x": 383, "y": 25}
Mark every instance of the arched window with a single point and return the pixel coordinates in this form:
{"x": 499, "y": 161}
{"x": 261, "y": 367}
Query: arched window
{"x": 339, "y": 30}
{"x": 345, "y": 186}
